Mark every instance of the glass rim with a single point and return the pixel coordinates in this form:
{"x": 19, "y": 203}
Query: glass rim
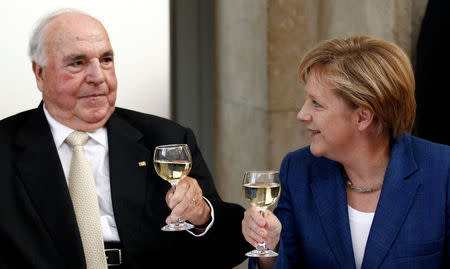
{"x": 262, "y": 171}
{"x": 171, "y": 146}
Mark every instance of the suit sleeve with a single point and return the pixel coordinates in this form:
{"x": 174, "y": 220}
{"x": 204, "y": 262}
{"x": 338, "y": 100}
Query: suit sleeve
{"x": 200, "y": 170}
{"x": 288, "y": 246}
{"x": 225, "y": 236}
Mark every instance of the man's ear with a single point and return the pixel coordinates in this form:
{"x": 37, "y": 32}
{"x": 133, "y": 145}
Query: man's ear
{"x": 364, "y": 118}
{"x": 38, "y": 74}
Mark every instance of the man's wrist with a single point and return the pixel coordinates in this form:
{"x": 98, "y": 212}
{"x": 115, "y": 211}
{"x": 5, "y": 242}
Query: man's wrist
{"x": 206, "y": 223}
{"x": 206, "y": 214}
{"x": 197, "y": 231}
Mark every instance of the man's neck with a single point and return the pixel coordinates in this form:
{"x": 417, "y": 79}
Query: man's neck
{"x": 74, "y": 123}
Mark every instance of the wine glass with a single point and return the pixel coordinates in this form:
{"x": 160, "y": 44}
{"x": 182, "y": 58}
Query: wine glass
{"x": 173, "y": 163}
{"x": 261, "y": 189}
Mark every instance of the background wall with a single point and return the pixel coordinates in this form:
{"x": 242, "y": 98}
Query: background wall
{"x": 139, "y": 33}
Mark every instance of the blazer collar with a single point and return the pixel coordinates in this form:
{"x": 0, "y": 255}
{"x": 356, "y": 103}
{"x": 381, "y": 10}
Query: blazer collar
{"x": 129, "y": 159}
{"x": 40, "y": 170}
{"x": 398, "y": 192}
{"x": 397, "y": 196}
{"x": 328, "y": 189}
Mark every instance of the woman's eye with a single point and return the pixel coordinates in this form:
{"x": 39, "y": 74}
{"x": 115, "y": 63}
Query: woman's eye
{"x": 315, "y": 104}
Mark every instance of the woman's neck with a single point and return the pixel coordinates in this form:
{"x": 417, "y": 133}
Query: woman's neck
{"x": 366, "y": 164}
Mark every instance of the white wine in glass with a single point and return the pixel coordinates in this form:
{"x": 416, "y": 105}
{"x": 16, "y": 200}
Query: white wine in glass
{"x": 262, "y": 196}
{"x": 172, "y": 171}
{"x": 173, "y": 163}
{"x": 261, "y": 189}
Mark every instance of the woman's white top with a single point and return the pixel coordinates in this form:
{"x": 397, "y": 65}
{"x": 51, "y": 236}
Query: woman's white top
{"x": 360, "y": 223}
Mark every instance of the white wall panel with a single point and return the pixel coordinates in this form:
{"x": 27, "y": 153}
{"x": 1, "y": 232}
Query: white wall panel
{"x": 139, "y": 33}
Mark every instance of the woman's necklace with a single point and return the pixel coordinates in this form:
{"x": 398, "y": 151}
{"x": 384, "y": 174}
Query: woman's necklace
{"x": 360, "y": 189}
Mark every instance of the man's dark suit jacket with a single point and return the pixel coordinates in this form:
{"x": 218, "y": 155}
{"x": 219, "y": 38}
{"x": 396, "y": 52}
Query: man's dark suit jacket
{"x": 38, "y": 228}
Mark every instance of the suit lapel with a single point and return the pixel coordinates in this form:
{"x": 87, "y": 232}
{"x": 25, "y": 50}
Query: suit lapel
{"x": 40, "y": 170}
{"x": 330, "y": 199}
{"x": 128, "y": 174}
{"x": 395, "y": 200}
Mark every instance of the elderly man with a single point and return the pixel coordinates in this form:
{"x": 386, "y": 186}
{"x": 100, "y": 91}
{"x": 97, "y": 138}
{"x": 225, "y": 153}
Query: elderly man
{"x": 51, "y": 218}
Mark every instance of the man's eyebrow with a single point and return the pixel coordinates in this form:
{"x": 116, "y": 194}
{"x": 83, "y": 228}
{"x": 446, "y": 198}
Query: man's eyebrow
{"x": 74, "y": 57}
{"x": 108, "y": 53}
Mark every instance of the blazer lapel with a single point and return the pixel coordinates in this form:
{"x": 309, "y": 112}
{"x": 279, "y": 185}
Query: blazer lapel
{"x": 330, "y": 198}
{"x": 129, "y": 162}
{"x": 395, "y": 200}
{"x": 42, "y": 175}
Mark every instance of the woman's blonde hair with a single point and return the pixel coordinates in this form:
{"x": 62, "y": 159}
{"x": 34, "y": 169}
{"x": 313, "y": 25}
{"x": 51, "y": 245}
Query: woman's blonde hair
{"x": 371, "y": 73}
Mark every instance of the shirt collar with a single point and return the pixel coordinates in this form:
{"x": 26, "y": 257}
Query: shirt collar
{"x": 60, "y": 132}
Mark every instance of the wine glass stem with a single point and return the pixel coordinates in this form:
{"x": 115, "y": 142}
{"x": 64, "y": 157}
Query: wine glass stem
{"x": 261, "y": 246}
{"x": 179, "y": 220}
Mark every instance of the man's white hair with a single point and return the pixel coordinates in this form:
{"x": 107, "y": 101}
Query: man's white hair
{"x": 37, "y": 50}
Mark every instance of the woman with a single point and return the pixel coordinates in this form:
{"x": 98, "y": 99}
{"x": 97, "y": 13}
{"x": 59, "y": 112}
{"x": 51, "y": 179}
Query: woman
{"x": 364, "y": 194}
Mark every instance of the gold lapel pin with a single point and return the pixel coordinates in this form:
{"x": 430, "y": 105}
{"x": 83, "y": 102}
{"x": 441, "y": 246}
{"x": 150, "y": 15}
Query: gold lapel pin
{"x": 142, "y": 163}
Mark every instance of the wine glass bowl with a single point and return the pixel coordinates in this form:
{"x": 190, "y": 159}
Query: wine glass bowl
{"x": 173, "y": 163}
{"x": 261, "y": 189}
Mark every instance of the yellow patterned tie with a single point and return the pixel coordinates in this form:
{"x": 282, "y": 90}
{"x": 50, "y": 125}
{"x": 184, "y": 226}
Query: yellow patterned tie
{"x": 85, "y": 203}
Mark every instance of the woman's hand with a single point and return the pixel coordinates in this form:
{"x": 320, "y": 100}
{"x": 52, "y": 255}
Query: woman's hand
{"x": 257, "y": 228}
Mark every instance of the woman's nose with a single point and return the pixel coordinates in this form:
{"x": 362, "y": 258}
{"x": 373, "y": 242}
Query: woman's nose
{"x": 303, "y": 115}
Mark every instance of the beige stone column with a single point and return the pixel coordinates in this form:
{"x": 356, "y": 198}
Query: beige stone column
{"x": 241, "y": 120}
{"x": 258, "y": 45}
{"x": 292, "y": 29}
